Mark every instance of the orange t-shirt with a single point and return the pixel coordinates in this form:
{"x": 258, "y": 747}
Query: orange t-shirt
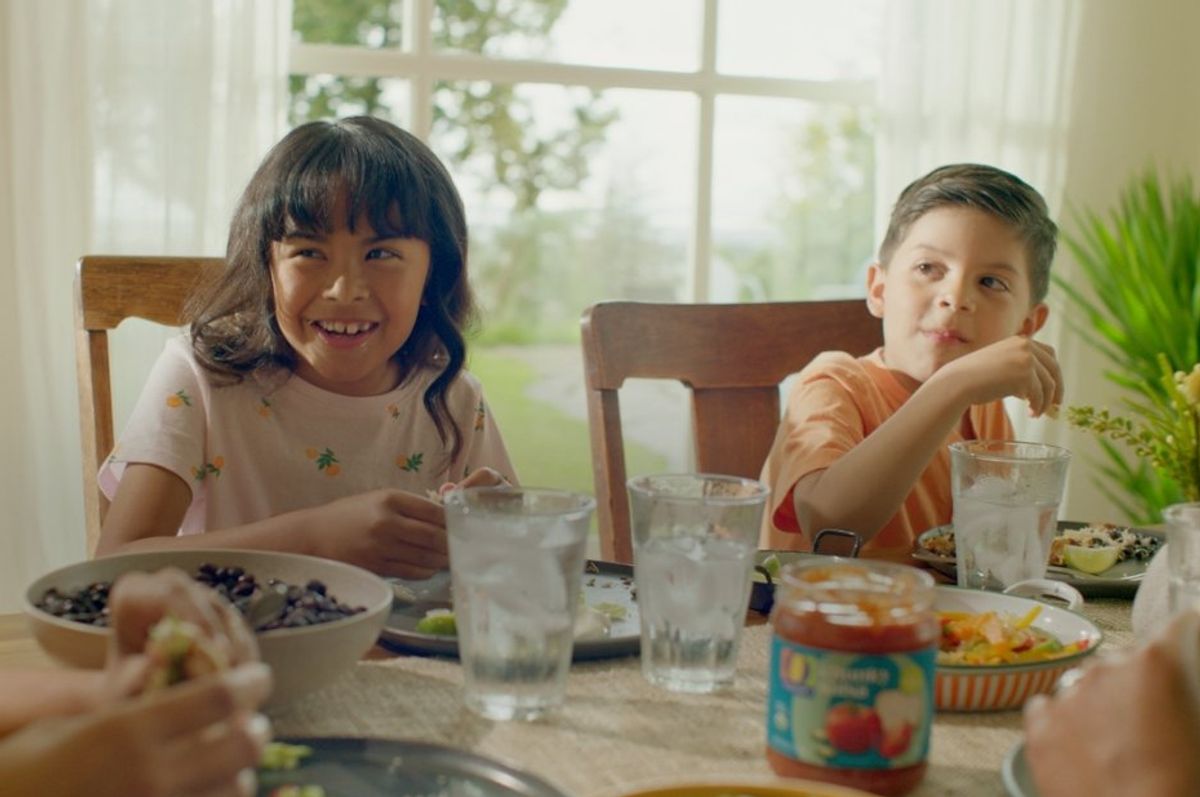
{"x": 836, "y": 402}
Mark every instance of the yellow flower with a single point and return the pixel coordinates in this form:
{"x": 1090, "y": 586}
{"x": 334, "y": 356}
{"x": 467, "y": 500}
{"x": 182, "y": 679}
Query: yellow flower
{"x": 1189, "y": 385}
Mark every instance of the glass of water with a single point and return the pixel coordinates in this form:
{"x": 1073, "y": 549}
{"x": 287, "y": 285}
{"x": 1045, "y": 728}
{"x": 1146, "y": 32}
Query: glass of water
{"x": 694, "y": 541}
{"x": 516, "y": 563}
{"x": 1006, "y": 497}
{"x": 1183, "y": 556}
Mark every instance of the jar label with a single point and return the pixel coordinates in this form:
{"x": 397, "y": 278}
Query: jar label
{"x": 849, "y": 710}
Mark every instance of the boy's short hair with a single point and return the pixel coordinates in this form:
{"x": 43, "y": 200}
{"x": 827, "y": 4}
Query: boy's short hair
{"x": 985, "y": 188}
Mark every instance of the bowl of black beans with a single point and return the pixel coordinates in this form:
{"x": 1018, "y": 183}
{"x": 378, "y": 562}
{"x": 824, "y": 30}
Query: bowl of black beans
{"x": 313, "y": 618}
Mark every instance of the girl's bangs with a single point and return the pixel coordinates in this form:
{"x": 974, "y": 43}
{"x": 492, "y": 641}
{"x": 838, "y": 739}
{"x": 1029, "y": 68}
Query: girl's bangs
{"x": 368, "y": 181}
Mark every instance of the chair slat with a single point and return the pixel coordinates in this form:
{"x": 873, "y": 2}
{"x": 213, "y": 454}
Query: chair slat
{"x": 733, "y": 358}
{"x": 107, "y": 291}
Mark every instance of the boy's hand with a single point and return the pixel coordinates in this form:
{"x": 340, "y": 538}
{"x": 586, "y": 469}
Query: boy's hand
{"x": 1016, "y": 366}
{"x": 390, "y": 532}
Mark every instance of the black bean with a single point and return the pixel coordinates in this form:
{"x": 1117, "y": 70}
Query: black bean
{"x": 307, "y": 605}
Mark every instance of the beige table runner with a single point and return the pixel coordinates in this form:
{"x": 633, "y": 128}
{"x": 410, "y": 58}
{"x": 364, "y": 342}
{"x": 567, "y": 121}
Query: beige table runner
{"x": 616, "y": 731}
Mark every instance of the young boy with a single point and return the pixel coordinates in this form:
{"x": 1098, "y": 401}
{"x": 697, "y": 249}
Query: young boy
{"x": 959, "y": 284}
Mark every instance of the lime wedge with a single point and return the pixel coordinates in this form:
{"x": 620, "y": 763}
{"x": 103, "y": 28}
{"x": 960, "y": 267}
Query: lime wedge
{"x": 437, "y": 621}
{"x": 1090, "y": 560}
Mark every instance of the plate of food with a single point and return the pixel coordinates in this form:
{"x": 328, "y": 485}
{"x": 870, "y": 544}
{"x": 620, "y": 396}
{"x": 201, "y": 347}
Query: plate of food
{"x": 606, "y": 621}
{"x": 996, "y": 650}
{"x": 335, "y": 766}
{"x": 1098, "y": 559}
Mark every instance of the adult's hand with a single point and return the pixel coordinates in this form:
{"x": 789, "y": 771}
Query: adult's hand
{"x": 1128, "y": 725}
{"x": 197, "y": 739}
{"x": 140, "y": 600}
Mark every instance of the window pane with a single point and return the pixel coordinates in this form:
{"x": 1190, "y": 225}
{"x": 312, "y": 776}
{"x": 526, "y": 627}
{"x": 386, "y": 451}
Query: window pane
{"x": 334, "y": 96}
{"x": 572, "y": 197}
{"x": 800, "y": 39}
{"x": 368, "y": 23}
{"x": 663, "y": 34}
{"x": 793, "y": 200}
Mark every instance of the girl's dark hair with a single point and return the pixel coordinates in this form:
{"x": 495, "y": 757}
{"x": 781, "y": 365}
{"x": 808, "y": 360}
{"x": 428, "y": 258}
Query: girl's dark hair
{"x": 403, "y": 190}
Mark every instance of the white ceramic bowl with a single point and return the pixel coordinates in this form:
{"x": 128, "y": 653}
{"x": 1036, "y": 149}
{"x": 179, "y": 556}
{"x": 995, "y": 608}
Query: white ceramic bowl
{"x": 302, "y": 659}
{"x": 962, "y": 687}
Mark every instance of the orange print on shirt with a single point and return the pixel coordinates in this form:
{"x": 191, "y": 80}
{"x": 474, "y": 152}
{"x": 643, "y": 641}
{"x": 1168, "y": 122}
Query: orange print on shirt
{"x": 393, "y": 410}
{"x": 326, "y": 461}
{"x": 263, "y": 408}
{"x": 214, "y": 468}
{"x": 178, "y": 399}
{"x": 480, "y": 414}
{"x": 410, "y": 463}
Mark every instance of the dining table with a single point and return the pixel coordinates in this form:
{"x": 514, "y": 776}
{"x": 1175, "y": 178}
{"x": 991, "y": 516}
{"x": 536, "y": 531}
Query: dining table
{"x": 615, "y": 731}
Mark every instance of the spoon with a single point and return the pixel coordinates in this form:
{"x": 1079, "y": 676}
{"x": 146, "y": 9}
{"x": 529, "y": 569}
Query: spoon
{"x": 266, "y": 607}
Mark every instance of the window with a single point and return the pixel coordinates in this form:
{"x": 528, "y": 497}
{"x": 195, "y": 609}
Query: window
{"x": 680, "y": 150}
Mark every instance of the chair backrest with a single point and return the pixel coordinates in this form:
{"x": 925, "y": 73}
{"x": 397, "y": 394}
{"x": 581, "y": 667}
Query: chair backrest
{"x": 733, "y": 358}
{"x": 107, "y": 291}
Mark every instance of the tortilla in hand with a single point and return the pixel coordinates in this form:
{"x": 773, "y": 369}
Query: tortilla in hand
{"x": 179, "y": 651}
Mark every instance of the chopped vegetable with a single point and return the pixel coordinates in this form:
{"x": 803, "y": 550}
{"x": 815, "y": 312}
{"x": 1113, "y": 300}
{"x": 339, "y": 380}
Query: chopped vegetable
{"x": 613, "y": 611}
{"x": 179, "y": 651}
{"x": 282, "y": 756}
{"x": 994, "y": 638}
{"x": 292, "y": 790}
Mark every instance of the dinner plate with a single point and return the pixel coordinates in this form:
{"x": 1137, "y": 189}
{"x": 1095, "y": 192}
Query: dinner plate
{"x": 351, "y": 767}
{"x": 603, "y": 582}
{"x": 1119, "y": 581}
{"x": 1018, "y": 780}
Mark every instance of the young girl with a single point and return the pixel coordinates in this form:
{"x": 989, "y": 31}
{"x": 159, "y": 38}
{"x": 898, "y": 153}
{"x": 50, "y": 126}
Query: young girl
{"x": 320, "y": 398}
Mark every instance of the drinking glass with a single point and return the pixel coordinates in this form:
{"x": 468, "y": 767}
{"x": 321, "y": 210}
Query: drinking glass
{"x": 1183, "y": 556}
{"x": 694, "y": 536}
{"x": 1006, "y": 497}
{"x": 516, "y": 563}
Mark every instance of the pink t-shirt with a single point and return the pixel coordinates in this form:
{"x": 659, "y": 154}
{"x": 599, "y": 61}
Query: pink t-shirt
{"x": 835, "y": 403}
{"x": 275, "y": 443}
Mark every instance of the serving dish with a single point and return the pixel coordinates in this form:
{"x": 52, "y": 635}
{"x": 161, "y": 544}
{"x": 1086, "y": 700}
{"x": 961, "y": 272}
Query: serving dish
{"x": 762, "y": 589}
{"x": 603, "y": 582}
{"x": 1119, "y": 581}
{"x": 302, "y": 659}
{"x": 965, "y": 687}
{"x": 388, "y": 767}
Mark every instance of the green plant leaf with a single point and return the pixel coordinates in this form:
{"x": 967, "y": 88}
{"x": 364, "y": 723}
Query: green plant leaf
{"x": 1140, "y": 303}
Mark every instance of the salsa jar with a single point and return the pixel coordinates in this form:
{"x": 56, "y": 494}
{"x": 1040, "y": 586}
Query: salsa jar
{"x": 850, "y": 696}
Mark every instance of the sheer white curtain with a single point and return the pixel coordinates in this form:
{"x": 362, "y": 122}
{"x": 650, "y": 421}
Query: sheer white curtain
{"x": 129, "y": 126}
{"x": 986, "y": 81}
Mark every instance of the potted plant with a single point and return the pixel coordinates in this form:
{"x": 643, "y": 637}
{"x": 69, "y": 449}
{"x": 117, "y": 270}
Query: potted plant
{"x": 1141, "y": 310}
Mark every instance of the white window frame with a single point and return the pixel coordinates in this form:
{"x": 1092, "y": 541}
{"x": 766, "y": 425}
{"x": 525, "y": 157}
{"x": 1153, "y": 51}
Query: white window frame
{"x": 422, "y": 67}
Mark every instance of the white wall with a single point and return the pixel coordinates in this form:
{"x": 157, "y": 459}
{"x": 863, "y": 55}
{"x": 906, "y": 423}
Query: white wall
{"x": 1136, "y": 102}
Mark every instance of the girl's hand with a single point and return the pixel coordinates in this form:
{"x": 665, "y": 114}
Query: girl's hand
{"x": 1016, "y": 366}
{"x": 391, "y": 532}
{"x": 480, "y": 477}
{"x": 198, "y": 738}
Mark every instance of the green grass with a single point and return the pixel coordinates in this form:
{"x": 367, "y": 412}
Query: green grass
{"x": 548, "y": 447}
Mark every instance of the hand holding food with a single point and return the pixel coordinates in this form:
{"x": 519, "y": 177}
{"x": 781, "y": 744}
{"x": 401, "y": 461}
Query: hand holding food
{"x": 200, "y": 736}
{"x": 140, "y": 601}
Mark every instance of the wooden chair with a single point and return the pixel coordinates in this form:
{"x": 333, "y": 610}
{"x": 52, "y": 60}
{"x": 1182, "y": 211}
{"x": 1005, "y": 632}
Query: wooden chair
{"x": 107, "y": 291}
{"x": 733, "y": 358}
